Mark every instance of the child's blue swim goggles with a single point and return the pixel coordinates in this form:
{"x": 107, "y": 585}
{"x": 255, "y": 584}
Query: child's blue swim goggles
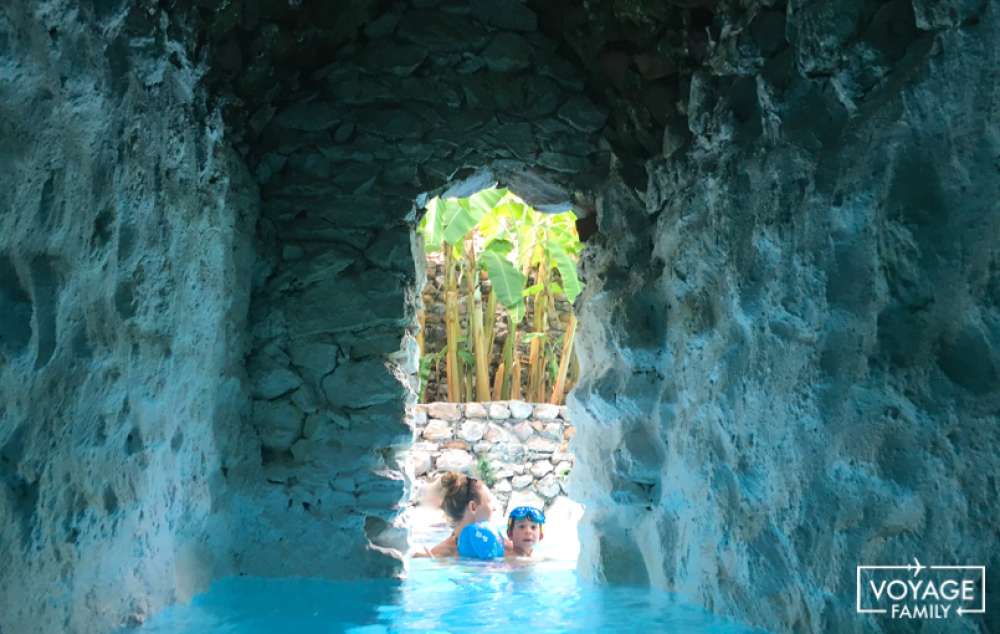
{"x": 530, "y": 512}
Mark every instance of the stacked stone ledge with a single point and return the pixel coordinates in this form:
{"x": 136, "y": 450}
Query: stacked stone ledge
{"x": 524, "y": 444}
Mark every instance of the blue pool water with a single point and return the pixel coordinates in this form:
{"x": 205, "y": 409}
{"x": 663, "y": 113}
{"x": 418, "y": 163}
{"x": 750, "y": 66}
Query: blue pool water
{"x": 437, "y": 597}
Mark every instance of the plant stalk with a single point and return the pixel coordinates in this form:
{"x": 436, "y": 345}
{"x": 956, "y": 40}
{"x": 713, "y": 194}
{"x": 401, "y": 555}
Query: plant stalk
{"x": 452, "y": 369}
{"x": 564, "y": 360}
{"x": 482, "y": 388}
{"x": 536, "y": 361}
{"x": 515, "y": 372}
{"x": 498, "y": 379}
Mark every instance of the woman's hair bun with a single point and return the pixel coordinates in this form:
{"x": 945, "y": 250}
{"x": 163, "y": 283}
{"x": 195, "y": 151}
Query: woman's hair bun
{"x": 456, "y": 494}
{"x": 451, "y": 482}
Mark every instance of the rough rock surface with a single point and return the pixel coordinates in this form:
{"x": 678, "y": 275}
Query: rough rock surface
{"x": 792, "y": 337}
{"x": 126, "y": 231}
{"x": 791, "y": 332}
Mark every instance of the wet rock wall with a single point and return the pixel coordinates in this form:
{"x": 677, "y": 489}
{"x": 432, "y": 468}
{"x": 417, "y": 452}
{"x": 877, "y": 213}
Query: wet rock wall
{"x": 125, "y": 259}
{"x": 792, "y": 344}
{"x": 790, "y": 328}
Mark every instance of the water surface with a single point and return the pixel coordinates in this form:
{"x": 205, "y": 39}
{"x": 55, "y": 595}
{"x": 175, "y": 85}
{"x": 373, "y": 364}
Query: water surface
{"x": 438, "y": 597}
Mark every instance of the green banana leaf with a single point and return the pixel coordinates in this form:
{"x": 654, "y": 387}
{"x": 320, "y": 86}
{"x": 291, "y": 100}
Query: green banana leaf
{"x": 500, "y": 246}
{"x": 516, "y": 312}
{"x": 567, "y": 270}
{"x": 534, "y": 289}
{"x": 461, "y": 218}
{"x": 507, "y": 281}
{"x": 462, "y": 215}
{"x": 486, "y": 199}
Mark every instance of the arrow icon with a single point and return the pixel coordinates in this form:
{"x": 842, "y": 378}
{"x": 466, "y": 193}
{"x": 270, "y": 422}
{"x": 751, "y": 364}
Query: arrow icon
{"x": 916, "y": 568}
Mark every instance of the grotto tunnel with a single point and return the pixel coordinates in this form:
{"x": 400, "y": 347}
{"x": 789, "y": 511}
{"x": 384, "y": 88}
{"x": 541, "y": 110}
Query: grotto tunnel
{"x": 789, "y": 334}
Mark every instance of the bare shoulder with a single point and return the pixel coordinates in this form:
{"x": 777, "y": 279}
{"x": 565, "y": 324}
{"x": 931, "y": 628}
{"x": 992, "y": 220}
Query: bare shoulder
{"x": 447, "y": 548}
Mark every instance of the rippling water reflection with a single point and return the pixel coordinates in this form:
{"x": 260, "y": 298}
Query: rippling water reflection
{"x": 437, "y": 596}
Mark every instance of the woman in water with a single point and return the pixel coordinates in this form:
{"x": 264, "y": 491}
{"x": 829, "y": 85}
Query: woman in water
{"x": 466, "y": 501}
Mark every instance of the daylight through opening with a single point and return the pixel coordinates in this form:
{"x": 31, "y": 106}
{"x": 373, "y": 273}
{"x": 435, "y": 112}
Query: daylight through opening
{"x": 495, "y": 331}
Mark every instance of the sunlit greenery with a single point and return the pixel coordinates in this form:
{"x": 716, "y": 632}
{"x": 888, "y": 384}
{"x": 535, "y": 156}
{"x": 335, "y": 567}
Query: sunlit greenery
{"x": 530, "y": 259}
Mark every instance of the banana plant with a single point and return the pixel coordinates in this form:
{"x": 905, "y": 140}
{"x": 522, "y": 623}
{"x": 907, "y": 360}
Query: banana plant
{"x": 495, "y": 232}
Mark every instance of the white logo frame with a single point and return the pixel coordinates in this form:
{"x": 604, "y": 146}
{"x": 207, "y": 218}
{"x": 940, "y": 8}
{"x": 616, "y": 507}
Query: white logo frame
{"x": 916, "y": 567}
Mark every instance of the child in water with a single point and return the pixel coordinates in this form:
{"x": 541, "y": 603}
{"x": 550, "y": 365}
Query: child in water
{"x": 479, "y": 540}
{"x": 524, "y": 528}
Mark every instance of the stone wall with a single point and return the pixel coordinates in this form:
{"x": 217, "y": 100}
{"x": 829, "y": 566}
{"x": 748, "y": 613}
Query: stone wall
{"x": 524, "y": 446}
{"x": 428, "y": 98}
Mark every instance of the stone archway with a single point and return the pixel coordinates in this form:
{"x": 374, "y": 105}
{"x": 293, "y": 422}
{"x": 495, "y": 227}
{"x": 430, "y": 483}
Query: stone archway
{"x": 441, "y": 97}
{"x": 798, "y": 302}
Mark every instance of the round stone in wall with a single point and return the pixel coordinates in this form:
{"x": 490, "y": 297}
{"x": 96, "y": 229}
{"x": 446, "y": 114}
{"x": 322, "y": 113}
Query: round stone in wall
{"x": 475, "y": 410}
{"x": 562, "y": 456}
{"x": 545, "y": 411}
{"x": 472, "y": 430}
{"x": 421, "y": 462}
{"x": 519, "y": 409}
{"x": 419, "y": 417}
{"x": 503, "y": 470}
{"x": 344, "y": 484}
{"x": 522, "y": 481}
{"x": 274, "y": 383}
{"x": 541, "y": 445}
{"x": 553, "y": 431}
{"x": 540, "y": 468}
{"x": 437, "y": 430}
{"x": 507, "y": 52}
{"x": 305, "y": 399}
{"x": 548, "y": 486}
{"x": 278, "y": 422}
{"x": 510, "y": 452}
{"x": 499, "y": 411}
{"x": 445, "y": 411}
{"x": 424, "y": 445}
{"x": 501, "y": 499}
{"x": 454, "y": 460}
{"x": 524, "y": 431}
{"x": 502, "y": 486}
{"x": 495, "y": 433}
